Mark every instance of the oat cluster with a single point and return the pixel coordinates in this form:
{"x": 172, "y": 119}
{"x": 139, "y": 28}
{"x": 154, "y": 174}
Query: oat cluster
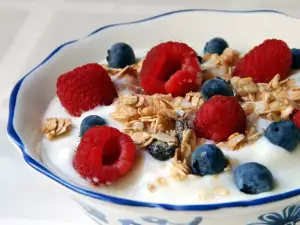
{"x": 219, "y": 65}
{"x": 153, "y": 117}
{"x": 273, "y": 101}
{"x": 128, "y": 77}
{"x": 54, "y": 127}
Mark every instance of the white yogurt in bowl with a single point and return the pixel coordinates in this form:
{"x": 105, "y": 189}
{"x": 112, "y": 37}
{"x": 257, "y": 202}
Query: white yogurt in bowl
{"x": 58, "y": 156}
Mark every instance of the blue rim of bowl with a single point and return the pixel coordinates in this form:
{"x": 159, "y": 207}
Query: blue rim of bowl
{"x": 39, "y": 167}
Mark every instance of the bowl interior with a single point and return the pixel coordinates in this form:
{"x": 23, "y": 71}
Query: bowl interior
{"x": 241, "y": 30}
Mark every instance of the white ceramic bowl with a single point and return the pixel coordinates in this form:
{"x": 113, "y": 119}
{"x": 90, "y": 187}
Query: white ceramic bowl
{"x": 31, "y": 95}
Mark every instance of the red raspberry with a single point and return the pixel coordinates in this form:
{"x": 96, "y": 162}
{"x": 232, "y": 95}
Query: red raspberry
{"x": 84, "y": 88}
{"x": 220, "y": 117}
{"x": 266, "y": 60}
{"x": 296, "y": 119}
{"x": 104, "y": 155}
{"x": 171, "y": 67}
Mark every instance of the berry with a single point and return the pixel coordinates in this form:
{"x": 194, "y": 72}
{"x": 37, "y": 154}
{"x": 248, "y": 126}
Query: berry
{"x": 180, "y": 126}
{"x": 216, "y": 86}
{"x": 161, "y": 150}
{"x": 171, "y": 67}
{"x": 104, "y": 155}
{"x": 120, "y": 55}
{"x": 220, "y": 117}
{"x": 90, "y": 121}
{"x": 296, "y": 119}
{"x": 84, "y": 88}
{"x": 208, "y": 159}
{"x": 253, "y": 178}
{"x": 295, "y": 58}
{"x": 216, "y": 45}
{"x": 283, "y": 133}
{"x": 266, "y": 60}
{"x": 181, "y": 83}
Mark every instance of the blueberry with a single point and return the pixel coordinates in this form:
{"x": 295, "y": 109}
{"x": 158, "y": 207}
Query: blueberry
{"x": 90, "y": 121}
{"x": 216, "y": 45}
{"x": 120, "y": 55}
{"x": 180, "y": 126}
{"x": 295, "y": 58}
{"x": 253, "y": 178}
{"x": 208, "y": 159}
{"x": 283, "y": 133}
{"x": 161, "y": 150}
{"x": 216, "y": 86}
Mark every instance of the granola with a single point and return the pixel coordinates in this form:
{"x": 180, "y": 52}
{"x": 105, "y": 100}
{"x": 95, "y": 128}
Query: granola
{"x": 219, "y": 65}
{"x": 54, "y": 127}
{"x": 273, "y": 101}
{"x": 237, "y": 141}
{"x": 154, "y": 115}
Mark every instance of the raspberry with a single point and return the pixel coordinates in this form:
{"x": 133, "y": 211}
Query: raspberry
{"x": 84, "y": 88}
{"x": 104, "y": 155}
{"x": 171, "y": 67}
{"x": 296, "y": 119}
{"x": 266, "y": 60}
{"x": 220, "y": 117}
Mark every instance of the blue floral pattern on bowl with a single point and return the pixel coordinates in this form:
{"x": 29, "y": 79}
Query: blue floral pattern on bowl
{"x": 290, "y": 216}
{"x": 101, "y": 218}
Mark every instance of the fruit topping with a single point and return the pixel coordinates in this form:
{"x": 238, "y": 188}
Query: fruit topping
{"x": 283, "y": 133}
{"x": 84, "y": 88}
{"x": 216, "y": 86}
{"x": 253, "y": 178}
{"x": 171, "y": 67}
{"x": 90, "y": 121}
{"x": 266, "y": 60}
{"x": 181, "y": 83}
{"x": 208, "y": 159}
{"x": 220, "y": 117}
{"x": 161, "y": 150}
{"x": 295, "y": 58}
{"x": 120, "y": 55}
{"x": 104, "y": 155}
{"x": 216, "y": 45}
{"x": 296, "y": 119}
{"x": 181, "y": 125}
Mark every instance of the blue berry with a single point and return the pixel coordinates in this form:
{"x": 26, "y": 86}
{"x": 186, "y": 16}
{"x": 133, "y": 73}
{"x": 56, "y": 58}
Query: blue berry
{"x": 120, "y": 55}
{"x": 295, "y": 58}
{"x": 216, "y": 86}
{"x": 216, "y": 45}
{"x": 90, "y": 121}
{"x": 161, "y": 150}
{"x": 208, "y": 159}
{"x": 253, "y": 178}
{"x": 283, "y": 133}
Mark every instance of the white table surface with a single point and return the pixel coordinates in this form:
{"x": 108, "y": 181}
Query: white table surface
{"x": 30, "y": 29}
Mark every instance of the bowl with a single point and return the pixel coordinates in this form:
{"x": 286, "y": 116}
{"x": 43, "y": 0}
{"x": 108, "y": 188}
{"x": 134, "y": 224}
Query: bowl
{"x": 32, "y": 94}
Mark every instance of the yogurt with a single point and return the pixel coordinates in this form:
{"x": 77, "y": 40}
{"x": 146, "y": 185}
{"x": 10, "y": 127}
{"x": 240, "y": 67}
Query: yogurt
{"x": 58, "y": 155}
